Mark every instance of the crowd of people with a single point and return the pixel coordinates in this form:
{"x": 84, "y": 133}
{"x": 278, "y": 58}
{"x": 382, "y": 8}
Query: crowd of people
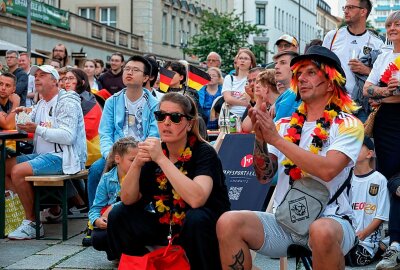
{"x": 152, "y": 173}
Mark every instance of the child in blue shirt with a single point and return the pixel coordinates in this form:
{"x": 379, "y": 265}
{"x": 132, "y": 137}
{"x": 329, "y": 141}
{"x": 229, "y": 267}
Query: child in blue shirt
{"x": 118, "y": 162}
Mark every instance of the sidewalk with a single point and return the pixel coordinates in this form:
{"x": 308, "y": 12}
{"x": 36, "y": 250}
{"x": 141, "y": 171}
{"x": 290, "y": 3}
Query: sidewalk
{"x": 69, "y": 255}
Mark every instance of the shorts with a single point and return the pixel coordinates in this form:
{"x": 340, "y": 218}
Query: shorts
{"x": 42, "y": 164}
{"x": 277, "y": 241}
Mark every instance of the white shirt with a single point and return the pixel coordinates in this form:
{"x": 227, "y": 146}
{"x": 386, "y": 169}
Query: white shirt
{"x": 344, "y": 45}
{"x": 344, "y": 136}
{"x": 45, "y": 112}
{"x": 370, "y": 200}
{"x": 236, "y": 87}
{"x": 133, "y": 118}
{"x": 31, "y": 89}
{"x": 380, "y": 65}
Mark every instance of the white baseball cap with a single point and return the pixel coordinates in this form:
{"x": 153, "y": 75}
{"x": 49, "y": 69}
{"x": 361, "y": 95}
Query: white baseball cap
{"x": 45, "y": 68}
{"x": 289, "y": 39}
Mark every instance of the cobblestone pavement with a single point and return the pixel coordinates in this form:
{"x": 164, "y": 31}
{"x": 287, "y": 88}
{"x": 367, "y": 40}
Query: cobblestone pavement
{"x": 69, "y": 255}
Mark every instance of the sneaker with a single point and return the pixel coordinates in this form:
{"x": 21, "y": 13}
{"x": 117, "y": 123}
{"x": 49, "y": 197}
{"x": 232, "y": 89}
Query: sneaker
{"x": 47, "y": 217}
{"x": 390, "y": 261}
{"x": 87, "y": 240}
{"x": 27, "y": 230}
{"x": 75, "y": 212}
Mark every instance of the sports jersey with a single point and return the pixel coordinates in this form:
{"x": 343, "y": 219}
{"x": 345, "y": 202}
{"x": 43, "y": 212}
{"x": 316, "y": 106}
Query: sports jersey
{"x": 369, "y": 200}
{"x": 345, "y": 43}
{"x": 345, "y": 135}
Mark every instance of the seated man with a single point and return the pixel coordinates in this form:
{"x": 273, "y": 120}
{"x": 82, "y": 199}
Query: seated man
{"x": 59, "y": 142}
{"x": 9, "y": 101}
{"x": 320, "y": 140}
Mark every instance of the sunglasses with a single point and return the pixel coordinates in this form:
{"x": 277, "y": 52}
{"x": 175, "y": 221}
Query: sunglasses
{"x": 174, "y": 117}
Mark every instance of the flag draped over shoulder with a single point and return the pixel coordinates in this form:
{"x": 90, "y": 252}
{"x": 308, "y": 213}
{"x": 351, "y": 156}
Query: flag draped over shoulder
{"x": 166, "y": 76}
{"x": 197, "y": 78}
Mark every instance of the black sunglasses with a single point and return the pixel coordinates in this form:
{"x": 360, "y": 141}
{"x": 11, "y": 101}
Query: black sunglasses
{"x": 174, "y": 117}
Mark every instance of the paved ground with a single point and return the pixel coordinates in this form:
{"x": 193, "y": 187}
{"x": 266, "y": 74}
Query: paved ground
{"x": 69, "y": 255}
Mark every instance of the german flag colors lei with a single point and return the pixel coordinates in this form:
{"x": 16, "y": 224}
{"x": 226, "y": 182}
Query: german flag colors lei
{"x": 168, "y": 203}
{"x": 320, "y": 135}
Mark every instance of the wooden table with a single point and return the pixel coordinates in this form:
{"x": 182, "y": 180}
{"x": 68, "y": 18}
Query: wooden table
{"x": 4, "y": 136}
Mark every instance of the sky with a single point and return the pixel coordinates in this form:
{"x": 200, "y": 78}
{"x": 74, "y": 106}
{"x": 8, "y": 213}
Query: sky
{"x": 336, "y": 7}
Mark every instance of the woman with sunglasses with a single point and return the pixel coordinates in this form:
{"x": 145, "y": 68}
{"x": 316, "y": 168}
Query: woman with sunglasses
{"x": 174, "y": 186}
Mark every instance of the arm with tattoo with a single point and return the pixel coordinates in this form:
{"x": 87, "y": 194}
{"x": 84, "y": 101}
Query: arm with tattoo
{"x": 377, "y": 92}
{"x": 265, "y": 164}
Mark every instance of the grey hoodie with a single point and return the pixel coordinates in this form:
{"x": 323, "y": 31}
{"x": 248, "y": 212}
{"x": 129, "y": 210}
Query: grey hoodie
{"x": 68, "y": 130}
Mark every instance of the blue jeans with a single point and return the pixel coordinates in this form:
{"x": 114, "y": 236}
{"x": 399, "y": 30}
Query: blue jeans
{"x": 94, "y": 176}
{"x": 42, "y": 164}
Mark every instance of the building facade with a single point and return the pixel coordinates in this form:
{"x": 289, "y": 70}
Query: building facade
{"x": 325, "y": 20}
{"x": 295, "y": 17}
{"x": 98, "y": 28}
{"x": 380, "y": 11}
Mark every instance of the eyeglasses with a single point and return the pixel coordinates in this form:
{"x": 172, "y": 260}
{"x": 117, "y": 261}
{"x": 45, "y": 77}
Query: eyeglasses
{"x": 351, "y": 7}
{"x": 68, "y": 79}
{"x": 132, "y": 69}
{"x": 175, "y": 117}
{"x": 244, "y": 58}
{"x": 212, "y": 60}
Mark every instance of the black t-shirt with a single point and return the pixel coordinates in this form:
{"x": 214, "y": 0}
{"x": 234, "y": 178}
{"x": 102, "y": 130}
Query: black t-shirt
{"x": 204, "y": 161}
{"x": 6, "y": 108}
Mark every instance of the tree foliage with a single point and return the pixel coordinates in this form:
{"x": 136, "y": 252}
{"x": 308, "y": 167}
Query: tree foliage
{"x": 223, "y": 33}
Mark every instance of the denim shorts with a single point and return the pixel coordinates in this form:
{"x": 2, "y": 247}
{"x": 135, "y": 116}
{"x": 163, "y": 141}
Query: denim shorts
{"x": 277, "y": 241}
{"x": 43, "y": 164}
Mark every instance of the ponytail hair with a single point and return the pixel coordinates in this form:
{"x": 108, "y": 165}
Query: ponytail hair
{"x": 120, "y": 148}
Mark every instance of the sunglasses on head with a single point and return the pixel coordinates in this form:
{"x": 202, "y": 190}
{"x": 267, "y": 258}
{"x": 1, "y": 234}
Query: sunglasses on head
{"x": 174, "y": 117}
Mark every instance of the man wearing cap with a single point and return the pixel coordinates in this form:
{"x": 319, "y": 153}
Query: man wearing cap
{"x": 59, "y": 143}
{"x": 320, "y": 140}
{"x": 353, "y": 41}
{"x": 287, "y": 43}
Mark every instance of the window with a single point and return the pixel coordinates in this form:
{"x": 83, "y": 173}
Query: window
{"x": 173, "y": 29}
{"x": 108, "y": 16}
{"x": 164, "y": 28}
{"x": 275, "y": 18}
{"x": 189, "y": 28}
{"x": 260, "y": 14}
{"x": 88, "y": 13}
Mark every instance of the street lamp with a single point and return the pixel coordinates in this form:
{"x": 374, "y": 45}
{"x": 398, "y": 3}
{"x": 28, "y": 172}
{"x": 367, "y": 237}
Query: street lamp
{"x": 183, "y": 41}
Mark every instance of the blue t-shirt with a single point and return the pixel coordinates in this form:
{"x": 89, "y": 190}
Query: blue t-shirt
{"x": 206, "y": 100}
{"x": 286, "y": 104}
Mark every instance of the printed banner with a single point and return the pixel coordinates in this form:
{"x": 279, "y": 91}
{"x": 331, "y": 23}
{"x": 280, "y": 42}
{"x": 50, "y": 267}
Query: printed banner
{"x": 236, "y": 154}
{"x": 40, "y": 12}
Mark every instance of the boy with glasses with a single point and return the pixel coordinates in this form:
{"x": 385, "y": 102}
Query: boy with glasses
{"x": 129, "y": 112}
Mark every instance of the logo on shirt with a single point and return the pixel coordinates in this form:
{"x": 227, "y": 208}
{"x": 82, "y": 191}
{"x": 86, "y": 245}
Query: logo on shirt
{"x": 373, "y": 189}
{"x": 353, "y": 42}
{"x": 366, "y": 50}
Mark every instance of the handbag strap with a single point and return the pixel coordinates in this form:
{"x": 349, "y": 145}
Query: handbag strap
{"x": 342, "y": 187}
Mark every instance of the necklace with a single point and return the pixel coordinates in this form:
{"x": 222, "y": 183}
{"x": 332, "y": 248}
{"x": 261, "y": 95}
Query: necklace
{"x": 319, "y": 136}
{"x": 168, "y": 203}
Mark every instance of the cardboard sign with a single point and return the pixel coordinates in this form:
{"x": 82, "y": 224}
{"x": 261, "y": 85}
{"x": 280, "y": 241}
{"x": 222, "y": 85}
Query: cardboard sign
{"x": 236, "y": 154}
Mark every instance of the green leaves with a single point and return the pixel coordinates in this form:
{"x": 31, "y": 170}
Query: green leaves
{"x": 223, "y": 33}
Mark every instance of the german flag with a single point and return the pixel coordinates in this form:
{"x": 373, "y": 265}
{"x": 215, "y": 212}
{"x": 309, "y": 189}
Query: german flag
{"x": 91, "y": 116}
{"x": 197, "y": 78}
{"x": 166, "y": 76}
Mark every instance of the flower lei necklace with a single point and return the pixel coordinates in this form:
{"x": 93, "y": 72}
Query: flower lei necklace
{"x": 319, "y": 136}
{"x": 168, "y": 203}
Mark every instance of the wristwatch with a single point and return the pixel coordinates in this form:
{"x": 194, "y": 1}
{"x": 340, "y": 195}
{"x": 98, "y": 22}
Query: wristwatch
{"x": 370, "y": 90}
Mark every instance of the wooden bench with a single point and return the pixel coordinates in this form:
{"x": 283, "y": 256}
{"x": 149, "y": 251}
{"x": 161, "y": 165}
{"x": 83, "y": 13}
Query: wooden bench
{"x": 50, "y": 185}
